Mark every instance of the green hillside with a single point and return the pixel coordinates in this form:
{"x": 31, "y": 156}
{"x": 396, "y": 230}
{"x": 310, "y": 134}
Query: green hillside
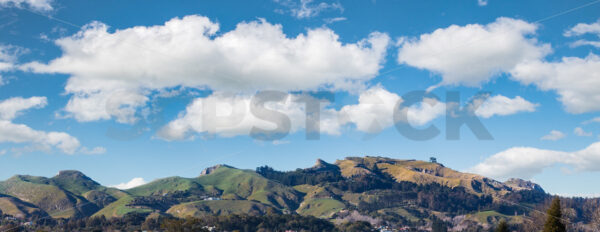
{"x": 252, "y": 186}
{"x": 119, "y": 208}
{"x": 74, "y": 182}
{"x": 166, "y": 185}
{"x": 13, "y": 206}
{"x": 220, "y": 207}
{"x": 373, "y": 189}
{"x": 54, "y": 200}
{"x": 320, "y": 207}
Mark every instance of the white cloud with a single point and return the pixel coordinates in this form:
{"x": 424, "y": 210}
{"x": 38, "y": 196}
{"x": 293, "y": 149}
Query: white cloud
{"x": 526, "y": 162}
{"x": 582, "y": 29}
{"x": 521, "y": 162}
{"x": 583, "y": 42}
{"x": 39, "y": 140}
{"x": 137, "y": 181}
{"x": 473, "y": 54}
{"x": 308, "y": 8}
{"x": 12, "y": 107}
{"x": 501, "y": 105}
{"x": 553, "y": 136}
{"x": 580, "y": 132}
{"x": 189, "y": 52}
{"x": 333, "y": 20}
{"x": 593, "y": 120}
{"x": 373, "y": 113}
{"x": 482, "y": 2}
{"x": 20, "y": 133}
{"x": 228, "y": 116}
{"x": 574, "y": 79}
{"x": 375, "y": 109}
{"x": 40, "y": 5}
{"x": 8, "y": 56}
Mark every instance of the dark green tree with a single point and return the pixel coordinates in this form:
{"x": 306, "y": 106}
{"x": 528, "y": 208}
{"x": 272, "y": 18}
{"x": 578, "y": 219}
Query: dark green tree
{"x": 554, "y": 220}
{"x": 502, "y": 227}
{"x": 438, "y": 226}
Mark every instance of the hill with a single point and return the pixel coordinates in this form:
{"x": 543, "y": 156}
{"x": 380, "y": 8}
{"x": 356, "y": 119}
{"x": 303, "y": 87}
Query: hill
{"x": 383, "y": 191}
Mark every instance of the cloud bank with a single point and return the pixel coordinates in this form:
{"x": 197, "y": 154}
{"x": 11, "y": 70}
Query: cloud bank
{"x": 526, "y": 162}
{"x": 473, "y": 54}
{"x": 111, "y": 74}
{"x": 37, "y": 140}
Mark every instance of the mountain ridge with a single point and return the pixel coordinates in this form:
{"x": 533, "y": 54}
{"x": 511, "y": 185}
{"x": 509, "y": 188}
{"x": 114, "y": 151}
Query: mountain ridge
{"x": 388, "y": 190}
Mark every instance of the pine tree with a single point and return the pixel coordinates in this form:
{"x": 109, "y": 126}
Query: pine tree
{"x": 502, "y": 227}
{"x": 554, "y": 221}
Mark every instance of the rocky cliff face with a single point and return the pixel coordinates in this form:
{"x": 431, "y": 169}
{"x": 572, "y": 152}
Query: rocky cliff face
{"x": 520, "y": 184}
{"x": 210, "y": 170}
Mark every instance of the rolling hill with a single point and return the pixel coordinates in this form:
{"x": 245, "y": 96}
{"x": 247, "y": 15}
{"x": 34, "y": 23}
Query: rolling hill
{"x": 377, "y": 189}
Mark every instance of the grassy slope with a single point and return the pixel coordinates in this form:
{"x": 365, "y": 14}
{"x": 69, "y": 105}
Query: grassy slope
{"x": 74, "y": 182}
{"x": 252, "y": 186}
{"x": 219, "y": 207}
{"x": 17, "y": 208}
{"x": 52, "y": 199}
{"x": 241, "y": 185}
{"x": 494, "y": 217}
{"x": 118, "y": 208}
{"x": 166, "y": 185}
{"x": 420, "y": 172}
{"x": 66, "y": 195}
{"x": 320, "y": 207}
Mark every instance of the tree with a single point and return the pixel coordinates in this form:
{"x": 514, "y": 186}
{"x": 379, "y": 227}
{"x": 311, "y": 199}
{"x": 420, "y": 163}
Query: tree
{"x": 554, "y": 219}
{"x": 502, "y": 227}
{"x": 438, "y": 226}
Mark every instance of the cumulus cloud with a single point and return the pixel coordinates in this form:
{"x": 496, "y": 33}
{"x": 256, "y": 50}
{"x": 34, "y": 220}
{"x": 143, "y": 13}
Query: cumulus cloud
{"x": 574, "y": 79}
{"x": 502, "y": 105}
{"x": 521, "y": 162}
{"x": 580, "y": 132}
{"x": 526, "y": 162}
{"x": 375, "y": 111}
{"x": 231, "y": 115}
{"x": 8, "y": 56}
{"x": 482, "y": 2}
{"x": 473, "y": 54}
{"x": 582, "y": 29}
{"x": 308, "y": 8}
{"x": 553, "y": 135}
{"x": 11, "y": 108}
{"x": 38, "y": 140}
{"x": 137, "y": 181}
{"x": 189, "y": 52}
{"x": 40, "y": 5}
{"x": 8, "y": 59}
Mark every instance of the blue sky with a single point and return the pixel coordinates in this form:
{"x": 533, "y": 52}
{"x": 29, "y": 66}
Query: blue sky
{"x": 119, "y": 89}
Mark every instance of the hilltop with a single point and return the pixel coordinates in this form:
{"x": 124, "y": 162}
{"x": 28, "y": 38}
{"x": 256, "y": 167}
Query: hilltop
{"x": 381, "y": 190}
